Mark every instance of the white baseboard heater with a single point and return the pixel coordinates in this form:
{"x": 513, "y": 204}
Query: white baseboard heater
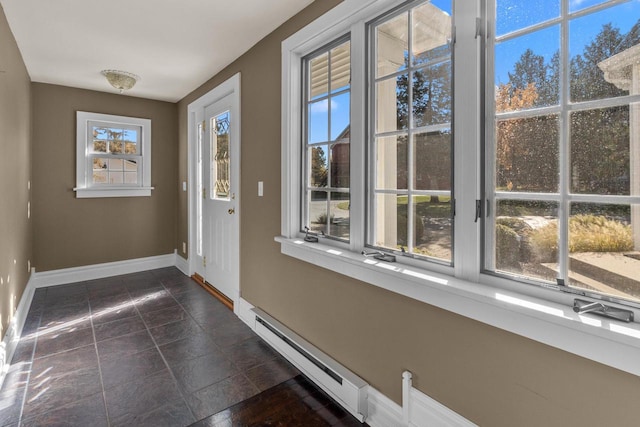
{"x": 349, "y": 390}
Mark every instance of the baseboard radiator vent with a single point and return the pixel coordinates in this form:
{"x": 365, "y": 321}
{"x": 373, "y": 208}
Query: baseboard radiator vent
{"x": 342, "y": 385}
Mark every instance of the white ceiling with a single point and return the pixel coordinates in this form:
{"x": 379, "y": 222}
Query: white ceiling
{"x": 173, "y": 45}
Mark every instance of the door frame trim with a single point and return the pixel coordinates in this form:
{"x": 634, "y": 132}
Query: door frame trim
{"x": 195, "y": 114}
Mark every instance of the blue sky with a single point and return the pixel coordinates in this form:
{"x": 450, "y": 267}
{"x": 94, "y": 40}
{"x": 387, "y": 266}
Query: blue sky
{"x": 339, "y": 108}
{"x": 516, "y": 14}
{"x": 319, "y": 116}
{"x": 512, "y": 15}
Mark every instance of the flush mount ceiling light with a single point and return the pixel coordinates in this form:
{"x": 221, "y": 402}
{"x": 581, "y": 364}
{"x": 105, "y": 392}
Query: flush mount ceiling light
{"x": 120, "y": 80}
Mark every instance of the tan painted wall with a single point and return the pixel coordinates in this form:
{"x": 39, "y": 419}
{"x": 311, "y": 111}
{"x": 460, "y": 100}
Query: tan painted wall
{"x": 72, "y": 232}
{"x": 490, "y": 376}
{"x": 15, "y": 171}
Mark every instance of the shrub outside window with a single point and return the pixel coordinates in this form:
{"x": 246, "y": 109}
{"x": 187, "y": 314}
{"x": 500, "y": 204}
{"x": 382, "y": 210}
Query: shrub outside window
{"x": 564, "y": 192}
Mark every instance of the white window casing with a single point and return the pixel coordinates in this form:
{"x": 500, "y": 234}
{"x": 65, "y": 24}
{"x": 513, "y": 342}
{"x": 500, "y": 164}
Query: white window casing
{"x": 535, "y": 312}
{"x": 84, "y": 187}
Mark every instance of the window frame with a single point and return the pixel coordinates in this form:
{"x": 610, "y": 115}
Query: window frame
{"x": 564, "y": 197}
{"x": 84, "y": 159}
{"x": 306, "y": 187}
{"x": 410, "y": 131}
{"x": 535, "y": 312}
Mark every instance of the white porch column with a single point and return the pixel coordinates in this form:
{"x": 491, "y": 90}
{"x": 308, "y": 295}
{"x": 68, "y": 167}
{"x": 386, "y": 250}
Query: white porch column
{"x": 623, "y": 70}
{"x": 391, "y": 53}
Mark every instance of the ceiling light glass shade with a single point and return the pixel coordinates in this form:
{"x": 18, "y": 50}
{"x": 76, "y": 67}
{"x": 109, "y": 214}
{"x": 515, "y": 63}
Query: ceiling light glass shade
{"x": 120, "y": 80}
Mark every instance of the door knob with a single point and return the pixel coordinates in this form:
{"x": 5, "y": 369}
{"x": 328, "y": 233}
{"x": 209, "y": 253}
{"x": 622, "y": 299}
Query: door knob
{"x": 231, "y": 211}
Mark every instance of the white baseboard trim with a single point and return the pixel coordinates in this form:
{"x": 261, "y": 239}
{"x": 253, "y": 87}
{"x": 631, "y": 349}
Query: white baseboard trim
{"x": 420, "y": 410}
{"x": 417, "y": 410}
{"x": 99, "y": 271}
{"x": 382, "y": 411}
{"x": 12, "y": 336}
{"x": 72, "y": 275}
{"x": 242, "y": 308}
{"x": 182, "y": 265}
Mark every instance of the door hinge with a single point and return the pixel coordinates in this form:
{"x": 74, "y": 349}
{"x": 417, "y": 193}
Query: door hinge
{"x": 204, "y": 193}
{"x": 204, "y": 261}
{"x": 204, "y": 125}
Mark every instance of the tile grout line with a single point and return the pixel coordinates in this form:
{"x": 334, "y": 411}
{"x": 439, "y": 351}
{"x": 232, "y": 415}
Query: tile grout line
{"x": 33, "y": 353}
{"x": 95, "y": 345}
{"x": 189, "y": 315}
{"x": 240, "y": 372}
{"x": 157, "y": 347}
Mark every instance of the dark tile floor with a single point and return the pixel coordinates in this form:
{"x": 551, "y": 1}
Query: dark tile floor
{"x": 150, "y": 348}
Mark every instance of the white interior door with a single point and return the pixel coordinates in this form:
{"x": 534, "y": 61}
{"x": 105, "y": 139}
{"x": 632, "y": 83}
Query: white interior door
{"x": 220, "y": 232}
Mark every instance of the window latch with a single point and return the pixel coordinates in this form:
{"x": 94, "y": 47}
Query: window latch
{"x": 478, "y": 28}
{"x": 478, "y": 210}
{"x": 380, "y": 256}
{"x": 310, "y": 236}
{"x": 581, "y": 307}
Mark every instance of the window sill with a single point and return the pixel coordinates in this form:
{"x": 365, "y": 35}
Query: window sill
{"x": 611, "y": 343}
{"x": 87, "y": 193}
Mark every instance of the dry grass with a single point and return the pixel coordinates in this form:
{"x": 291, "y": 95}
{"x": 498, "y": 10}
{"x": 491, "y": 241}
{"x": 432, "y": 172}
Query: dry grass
{"x": 587, "y": 233}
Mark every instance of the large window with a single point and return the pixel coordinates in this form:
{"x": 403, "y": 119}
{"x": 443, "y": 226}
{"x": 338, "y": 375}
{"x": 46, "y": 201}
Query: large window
{"x": 113, "y": 156}
{"x": 327, "y": 100}
{"x": 564, "y": 191}
{"x": 514, "y": 123}
{"x": 410, "y": 148}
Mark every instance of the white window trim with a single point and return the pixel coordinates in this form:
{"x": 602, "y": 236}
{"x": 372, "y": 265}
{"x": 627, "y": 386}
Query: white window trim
{"x": 528, "y": 311}
{"x": 83, "y": 187}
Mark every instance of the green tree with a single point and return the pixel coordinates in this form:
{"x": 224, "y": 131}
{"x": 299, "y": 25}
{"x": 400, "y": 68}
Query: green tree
{"x": 526, "y": 148}
{"x": 599, "y": 138}
{"x": 587, "y": 79}
{"x": 431, "y": 94}
{"x": 319, "y": 173}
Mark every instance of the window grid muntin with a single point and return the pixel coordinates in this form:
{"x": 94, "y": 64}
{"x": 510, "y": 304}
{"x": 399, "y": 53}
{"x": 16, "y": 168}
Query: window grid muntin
{"x": 564, "y": 109}
{"x": 468, "y": 260}
{"x": 91, "y": 155}
{"x": 373, "y": 135}
{"x": 308, "y": 100}
{"x": 564, "y": 16}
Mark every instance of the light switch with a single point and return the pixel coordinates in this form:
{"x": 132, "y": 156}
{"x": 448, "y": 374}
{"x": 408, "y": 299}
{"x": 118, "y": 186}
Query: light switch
{"x": 260, "y": 189}
{"x": 184, "y": 185}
